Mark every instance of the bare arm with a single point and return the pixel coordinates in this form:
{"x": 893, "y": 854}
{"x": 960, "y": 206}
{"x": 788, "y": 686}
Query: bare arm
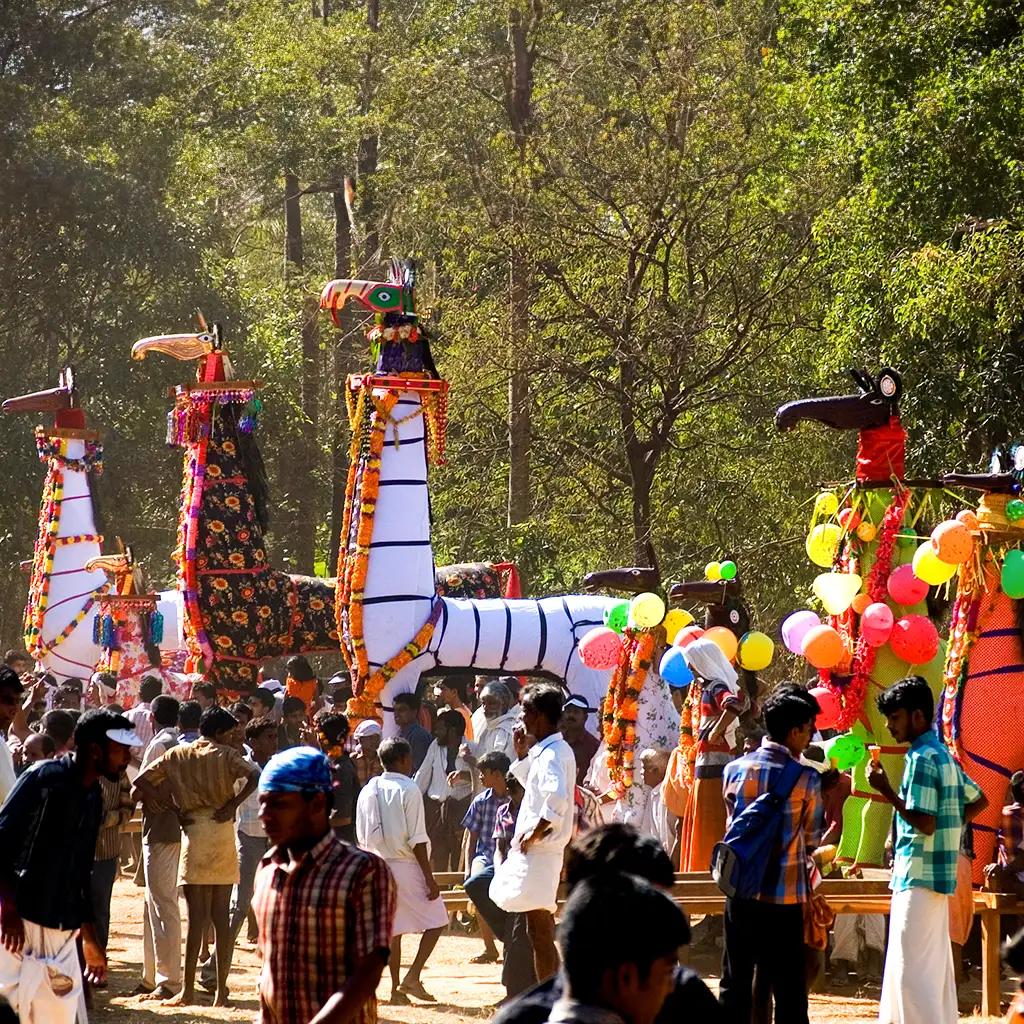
{"x": 227, "y": 810}
{"x": 921, "y": 822}
{"x": 345, "y": 1006}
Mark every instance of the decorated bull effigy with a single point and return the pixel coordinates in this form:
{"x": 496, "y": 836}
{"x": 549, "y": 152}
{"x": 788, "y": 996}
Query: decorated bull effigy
{"x": 873, "y": 589}
{"x": 392, "y": 624}
{"x": 981, "y": 715}
{"x": 65, "y": 585}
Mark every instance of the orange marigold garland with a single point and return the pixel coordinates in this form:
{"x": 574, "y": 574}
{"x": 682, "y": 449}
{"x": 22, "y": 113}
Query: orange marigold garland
{"x": 621, "y": 706}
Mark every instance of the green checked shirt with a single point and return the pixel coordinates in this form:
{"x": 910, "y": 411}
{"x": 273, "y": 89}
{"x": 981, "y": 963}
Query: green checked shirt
{"x": 933, "y": 783}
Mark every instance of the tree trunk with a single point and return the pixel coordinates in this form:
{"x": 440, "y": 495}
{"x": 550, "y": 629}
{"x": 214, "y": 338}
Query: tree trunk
{"x": 641, "y": 460}
{"x": 519, "y": 496}
{"x": 365, "y": 204}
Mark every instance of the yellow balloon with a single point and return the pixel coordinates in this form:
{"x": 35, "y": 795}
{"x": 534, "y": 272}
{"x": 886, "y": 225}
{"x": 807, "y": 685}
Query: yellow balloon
{"x": 713, "y": 571}
{"x": 826, "y": 504}
{"x": 646, "y": 610}
{"x": 756, "y": 651}
{"x": 836, "y": 590}
{"x": 822, "y": 544}
{"x": 929, "y": 568}
{"x": 675, "y": 620}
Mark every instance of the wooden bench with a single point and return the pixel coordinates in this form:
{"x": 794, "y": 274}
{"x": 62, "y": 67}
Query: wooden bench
{"x": 697, "y": 893}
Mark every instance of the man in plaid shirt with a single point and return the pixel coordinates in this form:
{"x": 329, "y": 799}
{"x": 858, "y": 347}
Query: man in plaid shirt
{"x": 325, "y": 908}
{"x": 767, "y": 933}
{"x": 1007, "y": 874}
{"x": 936, "y": 799}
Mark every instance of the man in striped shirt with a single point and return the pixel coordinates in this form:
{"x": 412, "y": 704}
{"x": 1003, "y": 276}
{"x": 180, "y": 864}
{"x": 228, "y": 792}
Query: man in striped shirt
{"x": 767, "y": 933}
{"x": 325, "y": 908}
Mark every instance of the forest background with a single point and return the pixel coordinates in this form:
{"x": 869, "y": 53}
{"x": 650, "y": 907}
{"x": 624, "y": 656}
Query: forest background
{"x": 641, "y": 226}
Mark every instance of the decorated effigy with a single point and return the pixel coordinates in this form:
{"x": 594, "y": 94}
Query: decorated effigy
{"x": 64, "y": 587}
{"x": 876, "y": 573}
{"x": 981, "y": 716}
{"x": 393, "y": 625}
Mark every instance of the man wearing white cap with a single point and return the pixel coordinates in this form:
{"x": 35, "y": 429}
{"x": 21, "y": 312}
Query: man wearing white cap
{"x": 368, "y": 735}
{"x": 48, "y": 829}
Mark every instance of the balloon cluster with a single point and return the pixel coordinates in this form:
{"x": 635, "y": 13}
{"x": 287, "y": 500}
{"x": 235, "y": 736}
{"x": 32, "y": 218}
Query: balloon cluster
{"x": 715, "y": 571}
{"x": 602, "y": 647}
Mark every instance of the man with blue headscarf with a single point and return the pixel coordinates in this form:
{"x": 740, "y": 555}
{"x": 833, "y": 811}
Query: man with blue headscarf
{"x": 324, "y": 908}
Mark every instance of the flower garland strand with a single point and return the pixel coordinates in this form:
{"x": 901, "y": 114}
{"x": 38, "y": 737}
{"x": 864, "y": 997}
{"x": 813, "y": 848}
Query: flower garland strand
{"x": 620, "y": 706}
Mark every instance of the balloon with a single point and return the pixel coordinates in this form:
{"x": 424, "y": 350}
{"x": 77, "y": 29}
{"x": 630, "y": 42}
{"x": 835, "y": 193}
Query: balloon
{"x": 826, "y": 504}
{"x": 860, "y": 603}
{"x": 687, "y": 635}
{"x": 601, "y": 648}
{"x": 876, "y": 624}
{"x": 904, "y": 586}
{"x": 795, "y": 628}
{"x": 914, "y": 639}
{"x": 849, "y": 519}
{"x": 674, "y": 670}
{"x": 822, "y": 543}
{"x": 929, "y": 567}
{"x": 1015, "y": 510}
{"x": 845, "y": 751}
{"x": 675, "y": 620}
{"x": 727, "y": 570}
{"x": 616, "y": 616}
{"x": 867, "y": 532}
{"x": 1012, "y": 577}
{"x": 646, "y": 610}
{"x": 726, "y": 640}
{"x": 830, "y": 707}
{"x": 713, "y": 571}
{"x": 836, "y": 590}
{"x": 969, "y": 519}
{"x": 823, "y": 647}
{"x": 952, "y": 542}
{"x": 755, "y": 651}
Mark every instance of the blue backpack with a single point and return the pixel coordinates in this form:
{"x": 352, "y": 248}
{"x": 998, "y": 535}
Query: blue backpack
{"x": 739, "y": 861}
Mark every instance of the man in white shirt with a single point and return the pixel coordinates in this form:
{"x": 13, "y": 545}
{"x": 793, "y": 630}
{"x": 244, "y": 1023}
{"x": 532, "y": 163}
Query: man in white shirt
{"x": 390, "y": 823}
{"x": 492, "y": 730}
{"x": 445, "y": 782}
{"x": 658, "y": 820}
{"x": 149, "y": 689}
{"x": 10, "y": 701}
{"x": 527, "y": 880}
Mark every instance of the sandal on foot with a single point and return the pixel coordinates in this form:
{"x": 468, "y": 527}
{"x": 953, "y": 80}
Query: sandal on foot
{"x": 398, "y": 999}
{"x": 484, "y": 958}
{"x": 415, "y": 988}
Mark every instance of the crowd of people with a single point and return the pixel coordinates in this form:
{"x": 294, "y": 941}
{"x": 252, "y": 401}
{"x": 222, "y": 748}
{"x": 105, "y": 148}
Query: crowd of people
{"x": 278, "y": 815}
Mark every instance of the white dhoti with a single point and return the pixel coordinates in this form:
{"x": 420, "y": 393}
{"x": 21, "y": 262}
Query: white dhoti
{"x": 44, "y": 982}
{"x": 527, "y": 881}
{"x": 855, "y": 933}
{"x": 918, "y": 985}
{"x": 414, "y": 911}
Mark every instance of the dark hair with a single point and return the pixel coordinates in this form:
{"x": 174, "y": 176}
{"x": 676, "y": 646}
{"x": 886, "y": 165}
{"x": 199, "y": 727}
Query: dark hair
{"x": 290, "y": 704}
{"x": 242, "y": 712}
{"x": 258, "y": 726}
{"x": 109, "y": 680}
{"x": 189, "y": 714}
{"x": 788, "y": 707}
{"x": 618, "y": 847}
{"x": 1017, "y": 786}
{"x": 150, "y": 688}
{"x": 216, "y": 720}
{"x": 910, "y": 694}
{"x": 814, "y": 753}
{"x": 72, "y": 683}
{"x": 392, "y": 751}
{"x": 9, "y": 680}
{"x": 264, "y": 696}
{"x": 7, "y": 1014}
{"x": 299, "y": 669}
{"x": 456, "y": 683}
{"x": 164, "y": 710}
{"x": 495, "y": 761}
{"x": 49, "y": 747}
{"x": 409, "y": 700}
{"x": 594, "y": 913}
{"x": 204, "y": 690}
{"x": 93, "y": 726}
{"x": 14, "y": 655}
{"x": 60, "y": 725}
{"x": 333, "y": 725}
{"x": 545, "y": 699}
{"x": 453, "y": 721}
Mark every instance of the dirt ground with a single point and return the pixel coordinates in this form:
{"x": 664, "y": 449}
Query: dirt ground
{"x": 465, "y": 992}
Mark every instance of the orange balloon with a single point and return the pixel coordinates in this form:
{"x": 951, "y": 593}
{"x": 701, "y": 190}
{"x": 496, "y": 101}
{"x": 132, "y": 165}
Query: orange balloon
{"x": 952, "y": 541}
{"x": 823, "y": 647}
{"x": 860, "y": 603}
{"x": 969, "y": 519}
{"x": 725, "y": 639}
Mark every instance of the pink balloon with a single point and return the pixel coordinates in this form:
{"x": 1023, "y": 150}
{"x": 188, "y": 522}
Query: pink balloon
{"x": 876, "y": 623}
{"x": 601, "y": 648}
{"x": 796, "y": 627}
{"x": 829, "y": 704}
{"x": 914, "y": 639}
{"x": 904, "y": 586}
{"x": 687, "y": 635}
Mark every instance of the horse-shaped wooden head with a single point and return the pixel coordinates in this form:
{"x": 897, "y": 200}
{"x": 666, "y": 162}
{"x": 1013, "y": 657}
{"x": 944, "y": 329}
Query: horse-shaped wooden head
{"x": 1005, "y": 472}
{"x": 206, "y": 345}
{"x": 62, "y": 401}
{"x": 722, "y": 600}
{"x": 396, "y": 295}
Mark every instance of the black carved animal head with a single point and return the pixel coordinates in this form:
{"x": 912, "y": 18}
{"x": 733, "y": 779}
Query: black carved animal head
{"x": 1005, "y": 474}
{"x": 875, "y": 403}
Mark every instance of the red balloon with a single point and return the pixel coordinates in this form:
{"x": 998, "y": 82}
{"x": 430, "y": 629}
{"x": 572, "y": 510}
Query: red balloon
{"x": 904, "y": 586}
{"x": 687, "y": 635}
{"x": 914, "y": 639}
{"x": 829, "y": 704}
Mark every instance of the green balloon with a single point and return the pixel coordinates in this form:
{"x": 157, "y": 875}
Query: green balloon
{"x": 1012, "y": 579}
{"x": 617, "y": 616}
{"x": 846, "y": 750}
{"x": 727, "y": 570}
